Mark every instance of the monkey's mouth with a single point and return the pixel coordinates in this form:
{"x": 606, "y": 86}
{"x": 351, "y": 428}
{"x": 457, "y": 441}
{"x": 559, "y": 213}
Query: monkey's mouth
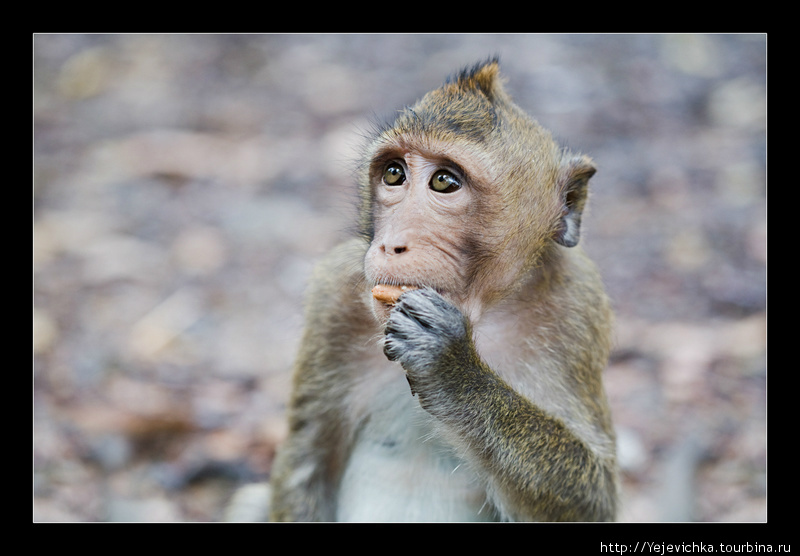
{"x": 385, "y": 296}
{"x": 390, "y": 294}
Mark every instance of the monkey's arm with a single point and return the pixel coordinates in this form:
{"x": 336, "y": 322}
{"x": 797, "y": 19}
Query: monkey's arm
{"x": 302, "y": 472}
{"x": 306, "y": 469}
{"x": 536, "y": 467}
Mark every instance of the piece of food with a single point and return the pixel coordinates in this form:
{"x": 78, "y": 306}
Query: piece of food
{"x": 389, "y": 294}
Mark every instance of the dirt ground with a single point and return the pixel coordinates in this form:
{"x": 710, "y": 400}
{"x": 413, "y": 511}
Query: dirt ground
{"x": 184, "y": 185}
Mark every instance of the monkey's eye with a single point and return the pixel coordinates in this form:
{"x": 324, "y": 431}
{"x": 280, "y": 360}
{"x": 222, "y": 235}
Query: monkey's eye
{"x": 445, "y": 182}
{"x": 394, "y": 174}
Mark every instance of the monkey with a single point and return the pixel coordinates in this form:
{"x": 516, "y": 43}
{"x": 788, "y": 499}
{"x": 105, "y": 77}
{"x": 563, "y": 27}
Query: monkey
{"x": 476, "y": 395}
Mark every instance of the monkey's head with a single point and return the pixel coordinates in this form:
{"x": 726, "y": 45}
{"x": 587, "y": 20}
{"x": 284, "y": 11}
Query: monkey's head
{"x": 466, "y": 194}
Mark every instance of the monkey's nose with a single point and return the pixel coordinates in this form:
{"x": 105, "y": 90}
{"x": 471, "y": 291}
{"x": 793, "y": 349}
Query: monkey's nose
{"x": 393, "y": 249}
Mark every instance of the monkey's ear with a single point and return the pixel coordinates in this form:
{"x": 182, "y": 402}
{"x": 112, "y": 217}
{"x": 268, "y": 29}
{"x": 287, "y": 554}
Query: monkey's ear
{"x": 573, "y": 185}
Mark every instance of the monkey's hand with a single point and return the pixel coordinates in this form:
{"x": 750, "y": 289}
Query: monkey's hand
{"x": 431, "y": 339}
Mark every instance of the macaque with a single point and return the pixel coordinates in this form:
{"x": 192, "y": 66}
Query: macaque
{"x": 468, "y": 387}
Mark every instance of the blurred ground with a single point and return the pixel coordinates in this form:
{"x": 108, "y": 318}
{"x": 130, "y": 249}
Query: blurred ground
{"x": 184, "y": 186}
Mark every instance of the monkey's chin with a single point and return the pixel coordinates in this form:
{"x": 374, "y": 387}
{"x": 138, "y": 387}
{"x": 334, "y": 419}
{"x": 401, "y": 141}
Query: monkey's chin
{"x": 381, "y": 311}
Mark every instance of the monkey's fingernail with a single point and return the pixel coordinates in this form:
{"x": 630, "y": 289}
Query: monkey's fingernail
{"x": 413, "y": 392}
{"x": 387, "y": 351}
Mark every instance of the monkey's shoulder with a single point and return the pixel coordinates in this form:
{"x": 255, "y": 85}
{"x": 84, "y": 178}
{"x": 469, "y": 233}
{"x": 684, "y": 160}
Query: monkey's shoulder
{"x": 342, "y": 265}
{"x": 338, "y": 277}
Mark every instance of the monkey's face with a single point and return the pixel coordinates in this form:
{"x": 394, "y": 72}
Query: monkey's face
{"x": 426, "y": 208}
{"x": 464, "y": 193}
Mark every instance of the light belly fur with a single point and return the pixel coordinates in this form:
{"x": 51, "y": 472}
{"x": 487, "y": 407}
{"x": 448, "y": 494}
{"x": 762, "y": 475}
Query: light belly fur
{"x": 401, "y": 471}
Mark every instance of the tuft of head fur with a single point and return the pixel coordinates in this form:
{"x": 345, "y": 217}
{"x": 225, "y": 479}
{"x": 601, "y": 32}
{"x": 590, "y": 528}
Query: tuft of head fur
{"x": 464, "y": 108}
{"x": 483, "y": 77}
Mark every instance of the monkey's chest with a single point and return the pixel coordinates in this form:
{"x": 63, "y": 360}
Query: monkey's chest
{"x": 401, "y": 470}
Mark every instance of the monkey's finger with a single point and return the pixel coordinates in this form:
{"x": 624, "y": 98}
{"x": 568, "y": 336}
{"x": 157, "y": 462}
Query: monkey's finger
{"x": 431, "y": 311}
{"x": 419, "y": 306}
{"x": 400, "y": 325}
{"x": 389, "y": 350}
